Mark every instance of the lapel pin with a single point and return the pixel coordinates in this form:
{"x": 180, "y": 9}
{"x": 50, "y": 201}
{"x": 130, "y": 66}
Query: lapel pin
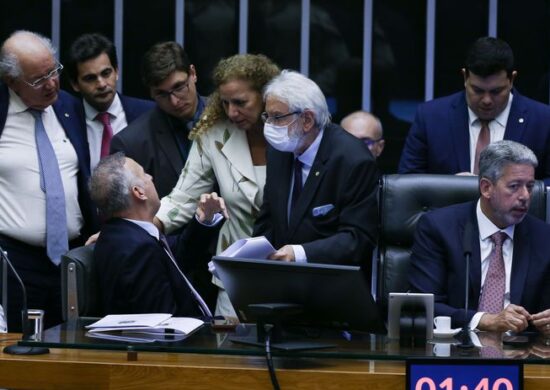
{"x": 520, "y": 120}
{"x": 316, "y": 173}
{"x": 66, "y": 115}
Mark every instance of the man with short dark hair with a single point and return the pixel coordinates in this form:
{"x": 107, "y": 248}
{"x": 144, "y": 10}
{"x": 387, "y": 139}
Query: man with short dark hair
{"x": 158, "y": 141}
{"x": 509, "y": 280}
{"x": 93, "y": 71}
{"x": 449, "y": 133}
{"x": 44, "y": 202}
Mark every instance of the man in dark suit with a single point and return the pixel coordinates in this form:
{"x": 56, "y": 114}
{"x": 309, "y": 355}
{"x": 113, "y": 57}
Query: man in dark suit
{"x": 93, "y": 71}
{"x": 158, "y": 141}
{"x": 448, "y": 133}
{"x": 138, "y": 273}
{"x": 320, "y": 193}
{"x": 510, "y": 265}
{"x": 45, "y": 207}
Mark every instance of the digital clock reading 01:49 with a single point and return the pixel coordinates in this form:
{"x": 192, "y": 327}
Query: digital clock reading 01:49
{"x": 436, "y": 374}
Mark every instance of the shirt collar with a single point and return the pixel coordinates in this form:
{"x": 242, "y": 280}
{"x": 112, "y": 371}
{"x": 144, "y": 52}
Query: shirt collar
{"x": 488, "y": 228}
{"x": 16, "y": 105}
{"x": 114, "y": 109}
{"x": 149, "y": 227}
{"x": 309, "y": 154}
{"x": 501, "y": 118}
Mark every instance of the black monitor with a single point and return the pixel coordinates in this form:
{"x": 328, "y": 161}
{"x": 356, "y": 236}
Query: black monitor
{"x": 329, "y": 295}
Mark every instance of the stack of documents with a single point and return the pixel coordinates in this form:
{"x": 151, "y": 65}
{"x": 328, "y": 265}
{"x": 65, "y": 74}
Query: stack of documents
{"x": 246, "y": 248}
{"x": 143, "y": 328}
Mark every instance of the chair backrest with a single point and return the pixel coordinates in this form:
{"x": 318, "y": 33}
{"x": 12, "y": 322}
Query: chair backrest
{"x": 79, "y": 284}
{"x": 403, "y": 199}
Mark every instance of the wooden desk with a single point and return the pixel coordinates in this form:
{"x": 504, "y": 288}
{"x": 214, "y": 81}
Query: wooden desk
{"x": 90, "y": 369}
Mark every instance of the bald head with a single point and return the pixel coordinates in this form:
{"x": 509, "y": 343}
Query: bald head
{"x": 366, "y": 127}
{"x": 28, "y": 67}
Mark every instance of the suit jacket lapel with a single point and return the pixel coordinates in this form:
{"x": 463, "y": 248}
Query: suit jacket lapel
{"x": 515, "y": 126}
{"x": 166, "y": 142}
{"x": 460, "y": 132}
{"x": 520, "y": 262}
{"x": 316, "y": 174}
{"x": 234, "y": 147}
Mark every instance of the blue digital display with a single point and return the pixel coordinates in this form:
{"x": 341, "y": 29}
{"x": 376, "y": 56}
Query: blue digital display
{"x": 435, "y": 374}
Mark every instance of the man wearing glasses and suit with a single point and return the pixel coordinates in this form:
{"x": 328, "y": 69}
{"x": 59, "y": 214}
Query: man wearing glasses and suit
{"x": 45, "y": 207}
{"x": 158, "y": 140}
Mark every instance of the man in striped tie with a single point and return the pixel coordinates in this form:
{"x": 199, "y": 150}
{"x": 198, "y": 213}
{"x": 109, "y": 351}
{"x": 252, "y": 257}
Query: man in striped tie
{"x": 138, "y": 272}
{"x": 509, "y": 287}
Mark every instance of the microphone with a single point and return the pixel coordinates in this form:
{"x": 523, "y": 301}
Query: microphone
{"x": 466, "y": 342}
{"x": 25, "y": 328}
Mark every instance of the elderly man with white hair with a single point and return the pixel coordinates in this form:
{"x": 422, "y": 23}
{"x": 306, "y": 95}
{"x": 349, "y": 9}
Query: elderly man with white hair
{"x": 320, "y": 194}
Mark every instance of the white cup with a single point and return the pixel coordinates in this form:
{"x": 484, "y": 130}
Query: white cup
{"x": 442, "y": 323}
{"x": 442, "y": 349}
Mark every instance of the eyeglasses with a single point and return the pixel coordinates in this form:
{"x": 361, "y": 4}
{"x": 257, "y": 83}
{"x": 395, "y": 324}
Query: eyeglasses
{"x": 179, "y": 92}
{"x": 39, "y": 83}
{"x": 370, "y": 142}
{"x": 277, "y": 120}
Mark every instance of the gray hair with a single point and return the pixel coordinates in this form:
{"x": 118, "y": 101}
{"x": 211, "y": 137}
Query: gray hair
{"x": 9, "y": 63}
{"x": 299, "y": 93}
{"x": 110, "y": 185}
{"x": 497, "y": 155}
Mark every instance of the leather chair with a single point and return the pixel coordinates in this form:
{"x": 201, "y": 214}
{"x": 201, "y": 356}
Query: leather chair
{"x": 80, "y": 293}
{"x": 402, "y": 201}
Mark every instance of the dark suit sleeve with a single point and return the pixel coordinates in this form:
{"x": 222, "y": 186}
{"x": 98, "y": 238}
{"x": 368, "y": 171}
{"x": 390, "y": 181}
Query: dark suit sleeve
{"x": 414, "y": 158}
{"x": 430, "y": 268}
{"x": 356, "y": 234}
{"x": 117, "y": 144}
{"x": 263, "y": 225}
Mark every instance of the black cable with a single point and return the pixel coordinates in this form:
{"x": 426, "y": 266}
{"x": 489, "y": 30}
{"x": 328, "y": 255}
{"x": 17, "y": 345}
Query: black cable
{"x": 268, "y": 328}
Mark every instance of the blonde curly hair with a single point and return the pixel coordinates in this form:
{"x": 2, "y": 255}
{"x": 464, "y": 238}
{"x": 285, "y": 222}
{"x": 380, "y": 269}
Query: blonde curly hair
{"x": 256, "y": 69}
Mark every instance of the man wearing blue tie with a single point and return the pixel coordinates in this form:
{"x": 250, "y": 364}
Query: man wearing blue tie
{"x": 320, "y": 192}
{"x": 44, "y": 204}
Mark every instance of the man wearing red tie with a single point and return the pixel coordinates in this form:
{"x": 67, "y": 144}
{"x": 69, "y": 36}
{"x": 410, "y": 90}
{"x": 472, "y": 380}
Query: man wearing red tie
{"x": 93, "y": 70}
{"x": 509, "y": 275}
{"x": 448, "y": 133}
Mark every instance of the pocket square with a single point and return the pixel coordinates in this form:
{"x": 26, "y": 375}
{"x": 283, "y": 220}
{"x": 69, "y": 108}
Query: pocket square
{"x": 322, "y": 210}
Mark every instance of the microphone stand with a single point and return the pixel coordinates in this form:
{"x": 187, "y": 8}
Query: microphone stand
{"x": 25, "y": 328}
{"x": 464, "y": 336}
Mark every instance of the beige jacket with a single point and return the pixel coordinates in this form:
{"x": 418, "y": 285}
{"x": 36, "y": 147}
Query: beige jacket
{"x": 221, "y": 154}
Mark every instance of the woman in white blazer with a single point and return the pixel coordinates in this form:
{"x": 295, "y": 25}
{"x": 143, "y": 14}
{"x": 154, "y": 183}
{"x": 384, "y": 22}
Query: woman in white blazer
{"x": 228, "y": 149}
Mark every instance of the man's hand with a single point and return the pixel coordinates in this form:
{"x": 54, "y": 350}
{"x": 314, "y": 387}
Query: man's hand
{"x": 210, "y": 204}
{"x": 542, "y": 322}
{"x": 286, "y": 253}
{"x": 513, "y": 317}
{"x": 92, "y": 239}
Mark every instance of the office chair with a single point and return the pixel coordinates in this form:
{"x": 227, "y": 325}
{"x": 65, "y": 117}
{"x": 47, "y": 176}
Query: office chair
{"x": 79, "y": 284}
{"x": 402, "y": 201}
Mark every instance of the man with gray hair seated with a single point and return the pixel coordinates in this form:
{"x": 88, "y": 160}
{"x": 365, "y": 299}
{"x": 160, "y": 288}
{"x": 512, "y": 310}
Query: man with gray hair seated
{"x": 137, "y": 270}
{"x": 320, "y": 193}
{"x": 510, "y": 263}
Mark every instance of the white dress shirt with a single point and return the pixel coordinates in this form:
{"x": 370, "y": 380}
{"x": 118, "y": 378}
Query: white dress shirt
{"x": 22, "y": 201}
{"x": 94, "y": 128}
{"x": 486, "y": 229}
{"x": 496, "y": 128}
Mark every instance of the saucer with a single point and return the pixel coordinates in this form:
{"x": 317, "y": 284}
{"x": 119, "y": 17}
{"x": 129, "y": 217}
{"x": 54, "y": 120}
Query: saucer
{"x": 445, "y": 332}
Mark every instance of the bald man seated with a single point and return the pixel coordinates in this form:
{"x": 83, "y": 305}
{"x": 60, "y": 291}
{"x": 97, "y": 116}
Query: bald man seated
{"x": 367, "y": 128}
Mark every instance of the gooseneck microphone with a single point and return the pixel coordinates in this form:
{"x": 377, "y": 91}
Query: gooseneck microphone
{"x": 25, "y": 328}
{"x": 465, "y": 340}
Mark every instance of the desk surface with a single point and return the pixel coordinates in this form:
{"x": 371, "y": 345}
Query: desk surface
{"x": 87, "y": 368}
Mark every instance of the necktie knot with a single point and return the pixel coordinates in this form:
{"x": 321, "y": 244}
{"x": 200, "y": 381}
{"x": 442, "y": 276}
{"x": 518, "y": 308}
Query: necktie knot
{"x": 104, "y": 118}
{"x": 498, "y": 238}
{"x": 35, "y": 113}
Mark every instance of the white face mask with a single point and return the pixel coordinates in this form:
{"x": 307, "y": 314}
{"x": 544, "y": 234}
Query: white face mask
{"x": 277, "y": 136}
